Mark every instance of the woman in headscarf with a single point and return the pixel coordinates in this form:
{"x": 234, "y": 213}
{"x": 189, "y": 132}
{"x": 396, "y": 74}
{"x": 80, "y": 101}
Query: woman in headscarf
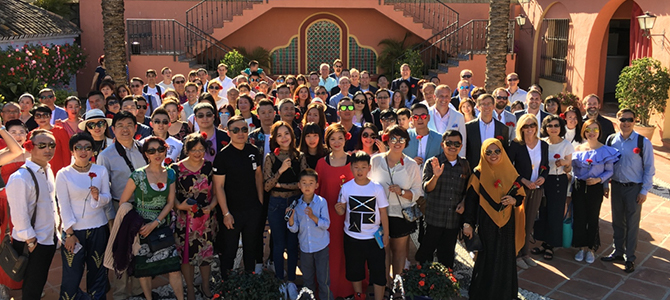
{"x": 493, "y": 203}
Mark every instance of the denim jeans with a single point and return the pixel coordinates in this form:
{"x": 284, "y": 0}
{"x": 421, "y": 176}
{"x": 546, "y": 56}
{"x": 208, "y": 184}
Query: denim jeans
{"x": 282, "y": 238}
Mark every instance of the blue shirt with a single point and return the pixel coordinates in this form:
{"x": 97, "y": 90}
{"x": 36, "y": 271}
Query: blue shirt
{"x": 601, "y": 165}
{"x": 335, "y": 99}
{"x": 313, "y": 237}
{"x": 58, "y": 114}
{"x": 630, "y": 167}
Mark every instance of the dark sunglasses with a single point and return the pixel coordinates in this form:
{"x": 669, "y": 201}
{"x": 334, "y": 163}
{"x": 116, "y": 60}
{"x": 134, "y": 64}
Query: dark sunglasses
{"x": 139, "y": 106}
{"x": 322, "y": 93}
{"x": 112, "y": 102}
{"x": 421, "y": 116}
{"x": 463, "y": 87}
{"x": 160, "y": 149}
{"x": 41, "y": 146}
{"x": 99, "y": 124}
{"x": 135, "y": 85}
{"x": 624, "y": 120}
{"x": 513, "y": 79}
{"x": 359, "y": 101}
{"x": 47, "y": 97}
{"x": 502, "y": 97}
{"x": 164, "y": 122}
{"x": 528, "y": 126}
{"x": 291, "y": 83}
{"x": 453, "y": 144}
{"x": 214, "y": 87}
{"x": 83, "y": 148}
{"x": 553, "y": 125}
{"x": 236, "y": 130}
{"x": 337, "y": 66}
{"x": 489, "y": 152}
{"x": 466, "y": 76}
{"x": 254, "y": 79}
{"x": 346, "y": 107}
{"x": 366, "y": 135}
{"x": 389, "y": 119}
{"x": 180, "y": 82}
{"x": 42, "y": 116}
{"x": 207, "y": 115}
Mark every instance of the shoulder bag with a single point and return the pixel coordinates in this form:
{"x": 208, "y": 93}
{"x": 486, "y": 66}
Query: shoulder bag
{"x": 412, "y": 212}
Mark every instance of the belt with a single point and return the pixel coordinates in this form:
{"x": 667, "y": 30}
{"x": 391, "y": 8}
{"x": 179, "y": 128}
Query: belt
{"x": 626, "y": 184}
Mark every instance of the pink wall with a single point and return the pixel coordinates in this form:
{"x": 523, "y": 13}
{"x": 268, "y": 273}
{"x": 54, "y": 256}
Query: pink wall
{"x": 478, "y": 66}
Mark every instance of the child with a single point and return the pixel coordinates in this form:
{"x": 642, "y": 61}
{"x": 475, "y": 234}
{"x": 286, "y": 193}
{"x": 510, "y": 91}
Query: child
{"x": 364, "y": 203}
{"x": 311, "y": 221}
{"x": 253, "y": 67}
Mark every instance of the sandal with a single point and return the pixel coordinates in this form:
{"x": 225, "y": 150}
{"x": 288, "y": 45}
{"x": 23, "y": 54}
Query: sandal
{"x": 538, "y": 250}
{"x": 548, "y": 254}
{"x": 202, "y": 292}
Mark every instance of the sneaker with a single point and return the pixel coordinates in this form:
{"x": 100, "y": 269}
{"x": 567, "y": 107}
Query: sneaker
{"x": 292, "y": 291}
{"x": 258, "y": 269}
{"x": 579, "y": 256}
{"x": 359, "y": 296}
{"x": 529, "y": 261}
{"x": 283, "y": 289}
{"x": 521, "y": 264}
{"x": 590, "y": 257}
{"x": 407, "y": 264}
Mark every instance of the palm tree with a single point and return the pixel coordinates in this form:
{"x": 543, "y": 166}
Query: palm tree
{"x": 392, "y": 50}
{"x": 496, "y": 44}
{"x": 114, "y": 31}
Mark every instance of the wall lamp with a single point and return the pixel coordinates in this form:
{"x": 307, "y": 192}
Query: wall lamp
{"x": 647, "y": 22}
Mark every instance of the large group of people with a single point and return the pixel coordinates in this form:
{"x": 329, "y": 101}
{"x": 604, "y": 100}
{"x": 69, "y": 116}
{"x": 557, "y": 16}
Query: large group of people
{"x": 162, "y": 177}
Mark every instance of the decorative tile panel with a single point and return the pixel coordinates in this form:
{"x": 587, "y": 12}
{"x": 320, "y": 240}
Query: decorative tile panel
{"x": 323, "y": 44}
{"x": 363, "y": 59}
{"x": 285, "y": 60}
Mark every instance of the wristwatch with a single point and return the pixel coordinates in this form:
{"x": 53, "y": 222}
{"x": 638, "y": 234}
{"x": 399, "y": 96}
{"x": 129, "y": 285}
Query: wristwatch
{"x": 31, "y": 245}
{"x": 402, "y": 192}
{"x": 67, "y": 235}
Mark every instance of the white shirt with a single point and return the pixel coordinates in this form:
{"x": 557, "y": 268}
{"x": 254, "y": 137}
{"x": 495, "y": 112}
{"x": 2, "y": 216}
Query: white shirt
{"x": 362, "y": 217}
{"x": 174, "y": 147}
{"x": 222, "y": 101}
{"x": 486, "y": 131}
{"x": 406, "y": 175}
{"x": 535, "y": 160}
{"x": 78, "y": 208}
{"x": 452, "y": 120}
{"x": 226, "y": 84}
{"x": 499, "y": 116}
{"x": 563, "y": 149}
{"x": 421, "y": 151}
{"x": 519, "y": 95}
{"x": 21, "y": 197}
{"x": 165, "y": 87}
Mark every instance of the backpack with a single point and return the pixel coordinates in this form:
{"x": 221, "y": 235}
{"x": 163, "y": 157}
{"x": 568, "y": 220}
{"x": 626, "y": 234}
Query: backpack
{"x": 640, "y": 144}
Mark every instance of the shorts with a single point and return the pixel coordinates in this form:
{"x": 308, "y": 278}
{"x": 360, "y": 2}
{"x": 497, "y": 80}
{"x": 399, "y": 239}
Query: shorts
{"x": 357, "y": 253}
{"x": 399, "y": 227}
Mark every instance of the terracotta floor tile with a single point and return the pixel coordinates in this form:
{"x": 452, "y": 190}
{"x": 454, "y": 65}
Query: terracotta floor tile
{"x": 599, "y": 276}
{"x": 533, "y": 287}
{"x": 622, "y": 296}
{"x": 660, "y": 261}
{"x": 564, "y": 267}
{"x": 543, "y": 276}
{"x": 640, "y": 288}
{"x": 564, "y": 296}
{"x": 584, "y": 289}
{"x": 615, "y": 268}
{"x": 652, "y": 276}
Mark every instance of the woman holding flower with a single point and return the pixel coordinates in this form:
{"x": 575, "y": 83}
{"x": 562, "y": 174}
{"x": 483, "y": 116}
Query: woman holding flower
{"x": 549, "y": 226}
{"x": 83, "y": 194}
{"x": 492, "y": 203}
{"x": 530, "y": 157}
{"x": 196, "y": 224}
{"x": 593, "y": 164}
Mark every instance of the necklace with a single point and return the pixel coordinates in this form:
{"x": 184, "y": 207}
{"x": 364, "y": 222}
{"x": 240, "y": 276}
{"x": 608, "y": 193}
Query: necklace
{"x": 80, "y": 168}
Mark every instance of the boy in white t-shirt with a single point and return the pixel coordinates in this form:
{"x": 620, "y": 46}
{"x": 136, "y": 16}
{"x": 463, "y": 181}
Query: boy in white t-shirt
{"x": 364, "y": 203}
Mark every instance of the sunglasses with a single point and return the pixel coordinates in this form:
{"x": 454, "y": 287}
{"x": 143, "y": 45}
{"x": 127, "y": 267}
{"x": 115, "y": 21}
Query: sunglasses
{"x": 142, "y": 106}
{"x": 513, "y": 79}
{"x": 321, "y": 93}
{"x": 42, "y": 116}
{"x": 291, "y": 83}
{"x": 489, "y": 152}
{"x": 463, "y": 87}
{"x": 624, "y": 120}
{"x": 466, "y": 76}
{"x": 359, "y": 101}
{"x": 83, "y": 148}
{"x": 528, "y": 126}
{"x": 41, "y": 146}
{"x": 366, "y": 135}
{"x": 553, "y": 125}
{"x": 215, "y": 87}
{"x": 47, "y": 97}
{"x": 502, "y": 97}
{"x": 337, "y": 66}
{"x": 180, "y": 82}
{"x": 389, "y": 120}
{"x": 99, "y": 124}
{"x": 160, "y": 149}
{"x": 254, "y": 79}
{"x": 346, "y": 107}
{"x": 207, "y": 115}
{"x": 395, "y": 140}
{"x": 280, "y": 80}
{"x": 589, "y": 130}
{"x": 383, "y": 97}
{"x": 135, "y": 85}
{"x": 164, "y": 122}
{"x": 236, "y": 130}
{"x": 453, "y": 144}
{"x": 112, "y": 102}
{"x": 421, "y": 116}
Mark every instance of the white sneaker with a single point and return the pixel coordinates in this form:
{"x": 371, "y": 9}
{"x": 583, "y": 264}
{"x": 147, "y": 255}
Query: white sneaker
{"x": 579, "y": 256}
{"x": 407, "y": 264}
{"x": 283, "y": 289}
{"x": 292, "y": 291}
{"x": 529, "y": 261}
{"x": 258, "y": 269}
{"x": 590, "y": 257}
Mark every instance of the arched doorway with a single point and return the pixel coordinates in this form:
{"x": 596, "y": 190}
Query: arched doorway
{"x": 323, "y": 43}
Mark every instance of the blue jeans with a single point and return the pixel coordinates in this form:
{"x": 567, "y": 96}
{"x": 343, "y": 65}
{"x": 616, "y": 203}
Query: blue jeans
{"x": 282, "y": 237}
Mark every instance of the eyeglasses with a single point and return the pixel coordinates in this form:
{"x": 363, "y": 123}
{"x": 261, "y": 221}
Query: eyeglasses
{"x": 366, "y": 135}
{"x": 206, "y": 115}
{"x": 236, "y": 130}
{"x": 135, "y": 85}
{"x": 502, "y": 97}
{"x": 553, "y": 125}
{"x": 280, "y": 80}
{"x": 321, "y": 93}
{"x": 489, "y": 152}
{"x": 164, "y": 122}
{"x": 359, "y": 101}
{"x": 42, "y": 116}
{"x": 346, "y": 107}
{"x": 180, "y": 82}
{"x": 112, "y": 102}
{"x": 624, "y": 120}
{"x": 391, "y": 119}
{"x": 142, "y": 106}
{"x": 395, "y": 140}
{"x": 47, "y": 97}
{"x": 197, "y": 151}
{"x": 291, "y": 83}
{"x": 383, "y": 97}
{"x": 512, "y": 79}
{"x": 83, "y": 148}
{"x": 214, "y": 87}
{"x": 254, "y": 79}
{"x": 41, "y": 146}
{"x": 99, "y": 124}
{"x": 337, "y": 66}
{"x": 533, "y": 125}
{"x": 589, "y": 130}
{"x": 421, "y": 116}
{"x": 452, "y": 144}
{"x": 463, "y": 87}
{"x": 466, "y": 76}
{"x": 160, "y": 149}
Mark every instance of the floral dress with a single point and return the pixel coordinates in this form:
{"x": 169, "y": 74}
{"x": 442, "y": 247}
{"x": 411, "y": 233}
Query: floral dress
{"x": 194, "y": 226}
{"x": 150, "y": 200}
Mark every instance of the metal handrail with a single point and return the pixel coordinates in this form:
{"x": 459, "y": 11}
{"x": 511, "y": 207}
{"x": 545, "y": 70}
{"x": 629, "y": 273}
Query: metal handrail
{"x": 434, "y": 14}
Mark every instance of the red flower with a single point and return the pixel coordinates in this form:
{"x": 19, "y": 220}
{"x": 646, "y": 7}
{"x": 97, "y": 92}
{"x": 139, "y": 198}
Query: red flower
{"x": 453, "y": 279}
{"x": 385, "y": 137}
{"x": 419, "y": 137}
{"x": 276, "y": 152}
{"x": 28, "y": 145}
{"x": 497, "y": 183}
{"x": 422, "y": 275}
{"x": 517, "y": 185}
{"x": 180, "y": 107}
{"x": 637, "y": 150}
{"x": 343, "y": 177}
{"x": 194, "y": 208}
{"x": 510, "y": 124}
{"x": 413, "y": 86}
{"x": 347, "y": 136}
{"x": 216, "y": 296}
{"x": 500, "y": 137}
{"x": 418, "y": 267}
{"x": 224, "y": 143}
{"x": 252, "y": 125}
{"x": 160, "y": 185}
{"x": 589, "y": 161}
{"x": 432, "y": 286}
{"x": 557, "y": 156}
{"x": 297, "y": 115}
{"x": 562, "y": 115}
{"x": 422, "y": 283}
{"x": 168, "y": 161}
{"x": 138, "y": 136}
{"x": 92, "y": 175}
{"x": 111, "y": 116}
{"x": 204, "y": 135}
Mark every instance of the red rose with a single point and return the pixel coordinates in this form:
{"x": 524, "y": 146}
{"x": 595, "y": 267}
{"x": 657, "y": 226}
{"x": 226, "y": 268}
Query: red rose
{"x": 385, "y": 137}
{"x": 111, "y": 116}
{"x": 168, "y": 161}
{"x": 432, "y": 286}
{"x": 637, "y": 150}
{"x": 422, "y": 275}
{"x": 180, "y": 107}
{"x": 216, "y": 296}
{"x": 413, "y": 85}
{"x": 28, "y": 145}
{"x": 252, "y": 125}
{"x": 590, "y": 161}
{"x": 224, "y": 143}
{"x": 92, "y": 175}
{"x": 194, "y": 208}
{"x": 418, "y": 267}
{"x": 276, "y": 152}
{"x": 500, "y": 137}
{"x": 510, "y": 124}
{"x": 419, "y": 137}
{"x": 562, "y": 115}
{"x": 517, "y": 185}
{"x": 297, "y": 115}
{"x": 204, "y": 135}
{"x": 138, "y": 136}
{"x": 557, "y": 156}
{"x": 347, "y": 136}
{"x": 422, "y": 283}
{"x": 543, "y": 168}
{"x": 453, "y": 279}
{"x": 160, "y": 185}
{"x": 497, "y": 183}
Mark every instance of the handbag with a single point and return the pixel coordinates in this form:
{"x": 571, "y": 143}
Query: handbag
{"x": 474, "y": 243}
{"x": 161, "y": 238}
{"x": 11, "y": 262}
{"x": 410, "y": 213}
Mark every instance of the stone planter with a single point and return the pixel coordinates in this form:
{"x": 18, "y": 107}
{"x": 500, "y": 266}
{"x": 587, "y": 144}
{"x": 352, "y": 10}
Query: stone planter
{"x": 647, "y": 132}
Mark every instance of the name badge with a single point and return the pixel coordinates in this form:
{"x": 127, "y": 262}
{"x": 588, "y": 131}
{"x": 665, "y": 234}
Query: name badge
{"x": 253, "y": 166}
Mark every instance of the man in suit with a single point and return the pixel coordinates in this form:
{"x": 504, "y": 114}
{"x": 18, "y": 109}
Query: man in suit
{"x": 482, "y": 128}
{"x": 592, "y": 104}
{"x": 501, "y": 114}
{"x": 444, "y": 116}
{"x": 423, "y": 142}
{"x": 406, "y": 75}
{"x": 463, "y": 92}
{"x": 534, "y": 101}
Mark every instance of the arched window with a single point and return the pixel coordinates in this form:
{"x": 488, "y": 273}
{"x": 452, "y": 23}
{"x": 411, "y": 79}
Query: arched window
{"x": 323, "y": 43}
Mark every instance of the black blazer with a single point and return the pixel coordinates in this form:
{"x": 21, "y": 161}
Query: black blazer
{"x": 413, "y": 81}
{"x": 474, "y": 140}
{"x": 518, "y": 155}
{"x": 455, "y": 101}
{"x": 543, "y": 114}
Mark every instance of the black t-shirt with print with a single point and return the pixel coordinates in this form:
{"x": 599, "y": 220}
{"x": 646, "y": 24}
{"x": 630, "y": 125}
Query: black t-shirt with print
{"x": 240, "y": 184}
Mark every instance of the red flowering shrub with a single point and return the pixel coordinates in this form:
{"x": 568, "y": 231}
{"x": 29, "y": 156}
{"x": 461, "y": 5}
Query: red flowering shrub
{"x": 432, "y": 280}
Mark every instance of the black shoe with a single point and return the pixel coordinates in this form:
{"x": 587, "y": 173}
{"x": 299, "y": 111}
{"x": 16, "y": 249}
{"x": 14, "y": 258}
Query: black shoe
{"x": 612, "y": 257}
{"x": 630, "y": 267}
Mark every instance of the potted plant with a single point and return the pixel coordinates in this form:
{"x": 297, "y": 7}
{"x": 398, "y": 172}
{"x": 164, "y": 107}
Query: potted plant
{"x": 243, "y": 285}
{"x": 569, "y": 99}
{"x": 643, "y": 87}
{"x": 430, "y": 281}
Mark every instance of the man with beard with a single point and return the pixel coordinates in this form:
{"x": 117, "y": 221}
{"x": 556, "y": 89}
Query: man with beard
{"x": 534, "y": 101}
{"x": 499, "y": 113}
{"x": 592, "y": 104}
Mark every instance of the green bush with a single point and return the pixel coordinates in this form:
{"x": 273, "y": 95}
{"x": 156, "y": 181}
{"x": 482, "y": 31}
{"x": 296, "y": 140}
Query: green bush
{"x": 643, "y": 87}
{"x": 242, "y": 285}
{"x": 235, "y": 62}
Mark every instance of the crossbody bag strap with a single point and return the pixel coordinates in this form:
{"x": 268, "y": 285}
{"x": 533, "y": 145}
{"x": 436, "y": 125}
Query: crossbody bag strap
{"x": 122, "y": 152}
{"x": 37, "y": 193}
{"x": 388, "y": 168}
